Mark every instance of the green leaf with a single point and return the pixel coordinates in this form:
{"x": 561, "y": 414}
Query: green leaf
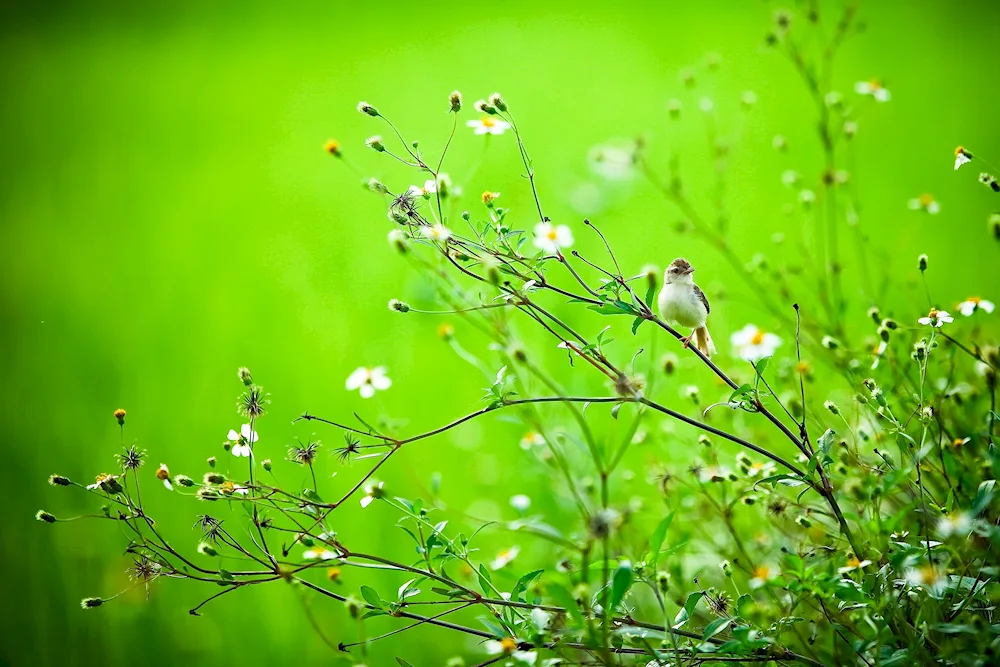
{"x": 715, "y": 627}
{"x": 620, "y": 583}
{"x": 650, "y": 292}
{"x": 564, "y": 598}
{"x": 225, "y": 575}
{"x": 825, "y": 442}
{"x": 636, "y": 323}
{"x": 685, "y": 614}
{"x": 656, "y": 539}
{"x": 371, "y": 596}
{"x": 484, "y": 580}
{"x": 983, "y": 496}
{"x": 523, "y": 583}
{"x": 403, "y": 663}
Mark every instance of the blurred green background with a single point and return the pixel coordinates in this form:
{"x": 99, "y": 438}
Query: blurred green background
{"x": 168, "y": 214}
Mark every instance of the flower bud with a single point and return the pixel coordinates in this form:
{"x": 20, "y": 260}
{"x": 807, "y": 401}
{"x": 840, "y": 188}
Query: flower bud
{"x": 266, "y": 465}
{"x": 883, "y": 333}
{"x": 398, "y": 240}
{"x": 446, "y": 332}
{"x": 398, "y": 306}
{"x": 830, "y": 343}
{"x": 652, "y": 275}
{"x": 244, "y": 374}
{"x": 455, "y": 100}
{"x": 366, "y": 108}
{"x": 210, "y": 461}
{"x": 832, "y": 407}
{"x": 207, "y": 549}
{"x": 922, "y": 262}
{"x": 662, "y": 581}
{"x": 376, "y": 185}
{"x": 42, "y": 515}
{"x": 91, "y": 603}
{"x": 674, "y": 108}
{"x": 704, "y": 440}
{"x": 482, "y": 107}
{"x": 183, "y": 480}
{"x": 375, "y": 143}
{"x": 994, "y": 222}
{"x": 498, "y": 101}
{"x": 353, "y": 607}
{"x": 727, "y": 568}
{"x": 803, "y": 521}
{"x": 875, "y": 315}
{"x": 59, "y": 480}
{"x": 850, "y": 129}
{"x": 489, "y": 198}
{"x": 332, "y": 147}
{"x": 120, "y": 416}
{"x": 890, "y": 323}
{"x": 669, "y": 363}
{"x": 214, "y": 478}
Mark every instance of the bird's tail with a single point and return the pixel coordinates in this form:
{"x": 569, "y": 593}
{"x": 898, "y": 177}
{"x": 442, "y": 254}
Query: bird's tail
{"x": 703, "y": 341}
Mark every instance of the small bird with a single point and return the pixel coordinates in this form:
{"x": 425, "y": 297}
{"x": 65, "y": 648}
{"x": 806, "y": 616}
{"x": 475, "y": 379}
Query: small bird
{"x": 682, "y": 302}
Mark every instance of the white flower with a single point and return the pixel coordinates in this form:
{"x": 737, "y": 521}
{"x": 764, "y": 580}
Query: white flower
{"x": 706, "y": 105}
{"x": 789, "y": 177}
{"x": 762, "y": 574}
{"x": 488, "y": 125}
{"x": 925, "y": 202}
{"x": 713, "y": 474}
{"x": 505, "y": 557}
{"x": 367, "y": 380}
{"x": 429, "y": 188}
{"x": 761, "y": 469}
{"x": 319, "y": 554}
{"x": 372, "y": 491}
{"x": 974, "y": 303}
{"x": 613, "y": 162}
{"x": 854, "y": 564}
{"x": 520, "y": 502}
{"x": 962, "y": 156}
{"x": 243, "y": 440}
{"x": 936, "y": 318}
{"x": 240, "y": 490}
{"x": 873, "y": 88}
{"x": 927, "y": 577}
{"x": 436, "y": 232}
{"x": 532, "y": 439}
{"x": 956, "y": 523}
{"x": 163, "y": 474}
{"x": 508, "y": 646}
{"x": 752, "y": 344}
{"x": 878, "y": 351}
{"x": 550, "y": 238}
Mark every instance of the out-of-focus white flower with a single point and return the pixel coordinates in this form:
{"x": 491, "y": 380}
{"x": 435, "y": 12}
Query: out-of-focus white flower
{"x": 437, "y": 232}
{"x": 508, "y": 646}
{"x": 878, "y": 352}
{"x": 319, "y": 554}
{"x": 925, "y": 202}
{"x": 936, "y": 318}
{"x": 752, "y": 343}
{"x": 488, "y": 125}
{"x": 520, "y": 502}
{"x": 240, "y": 490}
{"x": 762, "y": 574}
{"x": 706, "y": 105}
{"x": 504, "y": 557}
{"x": 532, "y": 439}
{"x": 713, "y": 474}
{"x": 429, "y": 188}
{"x": 615, "y": 162}
{"x": 243, "y": 440}
{"x": 372, "y": 491}
{"x": 974, "y": 303}
{"x": 550, "y": 238}
{"x": 928, "y": 577}
{"x": 807, "y": 196}
{"x": 956, "y": 523}
{"x": 761, "y": 469}
{"x": 163, "y": 474}
{"x": 873, "y": 88}
{"x": 368, "y": 380}
{"x": 962, "y": 156}
{"x": 854, "y": 564}
{"x": 789, "y": 177}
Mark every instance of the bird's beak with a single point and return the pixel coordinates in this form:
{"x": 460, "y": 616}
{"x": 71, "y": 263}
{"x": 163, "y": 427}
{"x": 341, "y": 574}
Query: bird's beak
{"x": 689, "y": 270}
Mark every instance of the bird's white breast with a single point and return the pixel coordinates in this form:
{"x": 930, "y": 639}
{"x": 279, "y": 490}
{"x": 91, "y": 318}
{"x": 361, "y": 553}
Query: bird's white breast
{"x": 679, "y": 303}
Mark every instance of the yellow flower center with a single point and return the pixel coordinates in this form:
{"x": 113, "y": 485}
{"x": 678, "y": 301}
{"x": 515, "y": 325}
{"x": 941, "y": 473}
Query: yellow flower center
{"x": 802, "y": 367}
{"x": 974, "y": 299}
{"x": 926, "y": 199}
{"x": 875, "y": 84}
{"x": 488, "y": 122}
{"x": 162, "y": 474}
{"x": 551, "y": 235}
{"x": 933, "y": 314}
{"x": 758, "y": 338}
{"x": 960, "y": 151}
{"x": 509, "y": 645}
{"x": 957, "y": 442}
{"x": 853, "y": 562}
{"x": 762, "y": 572}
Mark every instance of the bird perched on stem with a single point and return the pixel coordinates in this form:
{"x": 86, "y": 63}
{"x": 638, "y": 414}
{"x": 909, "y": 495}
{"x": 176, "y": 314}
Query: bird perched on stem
{"x": 683, "y": 302}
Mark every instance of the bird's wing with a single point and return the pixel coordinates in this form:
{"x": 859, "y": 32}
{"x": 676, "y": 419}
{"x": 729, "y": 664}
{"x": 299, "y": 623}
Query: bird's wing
{"x": 701, "y": 295}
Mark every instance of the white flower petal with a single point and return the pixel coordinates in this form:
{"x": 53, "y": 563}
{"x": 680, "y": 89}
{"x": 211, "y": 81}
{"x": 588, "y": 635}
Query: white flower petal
{"x": 366, "y": 390}
{"x": 357, "y": 378}
{"x": 366, "y": 501}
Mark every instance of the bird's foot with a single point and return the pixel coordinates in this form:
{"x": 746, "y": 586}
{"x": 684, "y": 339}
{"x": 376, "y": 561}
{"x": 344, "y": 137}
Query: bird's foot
{"x": 686, "y": 340}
